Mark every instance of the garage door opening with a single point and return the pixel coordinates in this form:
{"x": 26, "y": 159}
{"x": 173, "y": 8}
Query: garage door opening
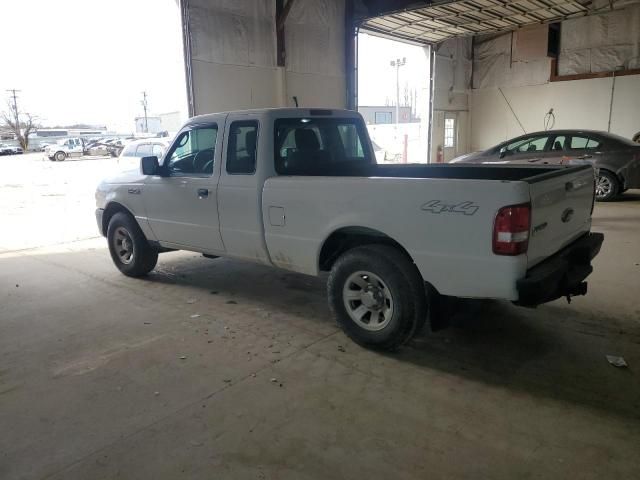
{"x": 394, "y": 92}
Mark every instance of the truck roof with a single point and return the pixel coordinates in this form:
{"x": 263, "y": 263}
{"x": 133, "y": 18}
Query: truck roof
{"x": 273, "y": 113}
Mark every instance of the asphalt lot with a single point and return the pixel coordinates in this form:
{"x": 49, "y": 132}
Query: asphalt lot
{"x": 47, "y": 203}
{"x": 224, "y": 369}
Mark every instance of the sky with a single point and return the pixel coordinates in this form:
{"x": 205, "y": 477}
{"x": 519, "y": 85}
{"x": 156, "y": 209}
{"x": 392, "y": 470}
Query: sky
{"x": 88, "y": 61}
{"x": 377, "y": 78}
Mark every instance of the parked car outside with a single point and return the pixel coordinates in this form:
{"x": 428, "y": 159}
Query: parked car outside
{"x": 616, "y": 158}
{"x": 134, "y": 151}
{"x": 5, "y": 149}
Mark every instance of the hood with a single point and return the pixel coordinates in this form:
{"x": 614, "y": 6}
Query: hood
{"x": 125, "y": 177}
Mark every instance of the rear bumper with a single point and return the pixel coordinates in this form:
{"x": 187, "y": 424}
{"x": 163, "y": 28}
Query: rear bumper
{"x": 562, "y": 274}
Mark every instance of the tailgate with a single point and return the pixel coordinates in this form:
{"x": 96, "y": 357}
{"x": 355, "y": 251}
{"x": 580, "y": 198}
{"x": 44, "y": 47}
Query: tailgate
{"x": 560, "y": 211}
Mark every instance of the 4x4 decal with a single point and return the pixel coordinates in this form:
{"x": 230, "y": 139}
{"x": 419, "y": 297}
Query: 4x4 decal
{"x": 436, "y": 206}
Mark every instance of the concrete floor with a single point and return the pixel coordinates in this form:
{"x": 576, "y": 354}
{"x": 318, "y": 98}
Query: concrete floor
{"x": 220, "y": 369}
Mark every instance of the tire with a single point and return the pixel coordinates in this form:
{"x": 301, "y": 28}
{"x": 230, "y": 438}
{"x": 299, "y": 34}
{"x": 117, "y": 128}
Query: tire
{"x": 607, "y": 186}
{"x": 397, "y": 302}
{"x": 128, "y": 247}
{"x": 60, "y": 156}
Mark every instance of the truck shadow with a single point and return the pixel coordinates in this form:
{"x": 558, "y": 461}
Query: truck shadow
{"x": 554, "y": 351}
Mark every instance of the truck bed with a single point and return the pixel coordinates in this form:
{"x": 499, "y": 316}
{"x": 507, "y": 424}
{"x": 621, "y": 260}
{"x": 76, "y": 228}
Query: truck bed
{"x": 529, "y": 174}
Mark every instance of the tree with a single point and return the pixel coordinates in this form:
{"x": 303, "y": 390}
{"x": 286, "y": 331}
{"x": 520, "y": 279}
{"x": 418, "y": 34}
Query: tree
{"x": 20, "y": 124}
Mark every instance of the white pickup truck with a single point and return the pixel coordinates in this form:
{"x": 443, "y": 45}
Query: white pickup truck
{"x": 300, "y": 189}
{"x": 64, "y": 148}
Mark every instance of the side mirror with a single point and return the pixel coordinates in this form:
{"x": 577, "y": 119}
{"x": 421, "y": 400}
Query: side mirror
{"x": 503, "y": 153}
{"x": 150, "y": 165}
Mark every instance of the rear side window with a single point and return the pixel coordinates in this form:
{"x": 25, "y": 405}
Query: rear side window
{"x": 129, "y": 151}
{"x": 581, "y": 143}
{"x": 144, "y": 150}
{"x": 157, "y": 150}
{"x": 319, "y": 146}
{"x": 241, "y": 149}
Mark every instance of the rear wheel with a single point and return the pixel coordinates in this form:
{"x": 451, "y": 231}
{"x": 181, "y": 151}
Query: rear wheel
{"x": 128, "y": 247}
{"x": 377, "y": 296}
{"x": 607, "y": 186}
{"x": 60, "y": 156}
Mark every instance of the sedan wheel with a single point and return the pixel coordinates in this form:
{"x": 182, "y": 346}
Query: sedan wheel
{"x": 606, "y": 186}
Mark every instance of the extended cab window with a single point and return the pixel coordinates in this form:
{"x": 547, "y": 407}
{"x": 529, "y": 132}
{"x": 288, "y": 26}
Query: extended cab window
{"x": 319, "y": 146}
{"x": 193, "y": 152}
{"x": 241, "y": 149}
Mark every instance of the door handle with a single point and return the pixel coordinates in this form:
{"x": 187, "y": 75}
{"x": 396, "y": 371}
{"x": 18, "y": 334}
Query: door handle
{"x": 203, "y": 193}
{"x": 584, "y": 157}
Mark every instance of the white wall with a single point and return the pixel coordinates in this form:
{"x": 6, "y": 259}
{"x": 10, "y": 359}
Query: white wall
{"x": 576, "y": 104}
{"x": 500, "y": 66}
{"x": 233, "y": 55}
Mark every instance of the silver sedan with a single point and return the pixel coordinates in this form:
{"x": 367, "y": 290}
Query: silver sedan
{"x": 616, "y": 158}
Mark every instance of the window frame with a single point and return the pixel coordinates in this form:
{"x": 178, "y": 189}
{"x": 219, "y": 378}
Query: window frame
{"x": 174, "y": 146}
{"x": 248, "y": 122}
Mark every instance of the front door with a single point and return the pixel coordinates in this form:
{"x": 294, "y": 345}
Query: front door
{"x": 181, "y": 204}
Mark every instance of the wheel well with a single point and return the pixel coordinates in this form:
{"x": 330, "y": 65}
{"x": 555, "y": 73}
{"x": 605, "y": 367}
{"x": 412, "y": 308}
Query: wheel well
{"x": 109, "y": 212}
{"x": 349, "y": 237}
{"x": 619, "y": 178}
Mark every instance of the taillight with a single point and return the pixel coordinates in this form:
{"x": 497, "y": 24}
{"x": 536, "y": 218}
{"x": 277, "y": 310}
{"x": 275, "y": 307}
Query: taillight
{"x": 511, "y": 230}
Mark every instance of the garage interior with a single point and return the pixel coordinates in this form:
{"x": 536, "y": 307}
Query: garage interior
{"x": 221, "y": 369}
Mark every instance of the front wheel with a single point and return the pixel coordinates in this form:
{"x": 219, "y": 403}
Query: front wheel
{"x": 60, "y": 156}
{"x": 377, "y": 296}
{"x": 128, "y": 247}
{"x": 607, "y": 186}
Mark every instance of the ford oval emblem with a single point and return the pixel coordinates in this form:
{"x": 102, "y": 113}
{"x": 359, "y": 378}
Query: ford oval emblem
{"x": 567, "y": 215}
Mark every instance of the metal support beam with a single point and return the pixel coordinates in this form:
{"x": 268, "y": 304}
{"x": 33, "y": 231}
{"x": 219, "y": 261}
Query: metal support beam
{"x": 351, "y": 55}
{"x": 282, "y": 12}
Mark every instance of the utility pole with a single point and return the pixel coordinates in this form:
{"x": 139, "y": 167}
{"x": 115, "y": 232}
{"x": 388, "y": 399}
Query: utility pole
{"x": 14, "y": 95}
{"x": 144, "y": 105}
{"x": 397, "y": 63}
